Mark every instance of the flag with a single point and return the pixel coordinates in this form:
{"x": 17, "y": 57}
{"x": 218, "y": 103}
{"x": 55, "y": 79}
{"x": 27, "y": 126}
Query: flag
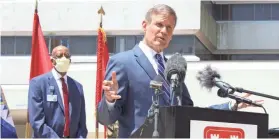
{"x": 102, "y": 59}
{"x": 40, "y": 59}
{"x": 8, "y": 129}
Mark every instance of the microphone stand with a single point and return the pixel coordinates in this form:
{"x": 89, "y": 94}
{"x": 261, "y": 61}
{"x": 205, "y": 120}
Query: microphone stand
{"x": 153, "y": 113}
{"x": 241, "y": 90}
{"x": 176, "y": 90}
{"x": 236, "y": 107}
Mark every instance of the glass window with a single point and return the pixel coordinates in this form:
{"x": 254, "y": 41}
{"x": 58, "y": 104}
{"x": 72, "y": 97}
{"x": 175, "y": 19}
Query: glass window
{"x": 87, "y": 45}
{"x": 246, "y": 12}
{"x": 217, "y": 13}
{"x": 225, "y": 12}
{"x": 262, "y": 11}
{"x": 130, "y": 42}
{"x": 23, "y": 45}
{"x": 242, "y": 12}
{"x": 52, "y": 41}
{"x": 275, "y": 12}
{"x": 181, "y": 44}
{"x": 7, "y": 45}
{"x": 111, "y": 43}
{"x": 65, "y": 41}
{"x": 139, "y": 38}
{"x": 83, "y": 45}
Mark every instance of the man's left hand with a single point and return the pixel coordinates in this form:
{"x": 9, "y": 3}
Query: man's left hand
{"x": 242, "y": 105}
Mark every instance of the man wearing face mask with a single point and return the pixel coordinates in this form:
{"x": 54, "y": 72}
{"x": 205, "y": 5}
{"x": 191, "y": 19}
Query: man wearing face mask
{"x": 56, "y": 104}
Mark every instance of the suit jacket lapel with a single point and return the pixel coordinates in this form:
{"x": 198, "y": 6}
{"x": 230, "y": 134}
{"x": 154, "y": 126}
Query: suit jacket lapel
{"x": 52, "y": 82}
{"x": 147, "y": 66}
{"x": 144, "y": 62}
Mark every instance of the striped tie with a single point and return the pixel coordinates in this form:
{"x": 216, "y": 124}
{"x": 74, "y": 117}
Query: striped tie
{"x": 161, "y": 68}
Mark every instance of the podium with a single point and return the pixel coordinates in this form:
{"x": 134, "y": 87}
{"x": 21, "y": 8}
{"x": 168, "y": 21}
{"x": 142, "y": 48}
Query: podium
{"x": 194, "y": 122}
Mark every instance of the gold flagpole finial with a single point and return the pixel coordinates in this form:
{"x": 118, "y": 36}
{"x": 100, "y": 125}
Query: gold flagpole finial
{"x": 101, "y": 12}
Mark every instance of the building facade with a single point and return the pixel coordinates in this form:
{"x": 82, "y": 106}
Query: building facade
{"x": 207, "y": 31}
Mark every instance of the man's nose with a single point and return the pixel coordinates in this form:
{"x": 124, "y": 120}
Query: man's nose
{"x": 164, "y": 31}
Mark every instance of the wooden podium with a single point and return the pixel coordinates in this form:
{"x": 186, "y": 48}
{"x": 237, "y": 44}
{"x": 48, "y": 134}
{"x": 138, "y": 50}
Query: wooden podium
{"x": 194, "y": 122}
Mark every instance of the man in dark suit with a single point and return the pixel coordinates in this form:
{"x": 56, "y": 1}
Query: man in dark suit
{"x": 127, "y": 96}
{"x": 56, "y": 103}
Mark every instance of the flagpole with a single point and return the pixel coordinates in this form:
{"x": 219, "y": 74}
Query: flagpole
{"x": 101, "y": 12}
{"x": 27, "y": 126}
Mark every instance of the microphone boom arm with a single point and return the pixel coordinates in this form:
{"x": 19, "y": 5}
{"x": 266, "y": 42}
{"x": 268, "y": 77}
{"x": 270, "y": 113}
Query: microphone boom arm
{"x": 241, "y": 90}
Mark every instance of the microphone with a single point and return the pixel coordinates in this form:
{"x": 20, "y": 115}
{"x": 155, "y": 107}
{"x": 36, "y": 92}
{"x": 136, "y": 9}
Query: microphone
{"x": 157, "y": 82}
{"x": 175, "y": 69}
{"x": 174, "y": 73}
{"x": 223, "y": 94}
{"x": 153, "y": 112}
{"x": 209, "y": 78}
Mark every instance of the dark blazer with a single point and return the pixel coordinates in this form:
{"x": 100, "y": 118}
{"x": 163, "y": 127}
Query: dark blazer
{"x": 46, "y": 117}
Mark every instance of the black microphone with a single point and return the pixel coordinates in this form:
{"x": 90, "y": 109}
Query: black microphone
{"x": 224, "y": 94}
{"x": 209, "y": 78}
{"x": 176, "y": 67}
{"x": 175, "y": 71}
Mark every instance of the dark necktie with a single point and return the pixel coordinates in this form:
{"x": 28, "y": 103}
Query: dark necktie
{"x": 161, "y": 68}
{"x": 66, "y": 110}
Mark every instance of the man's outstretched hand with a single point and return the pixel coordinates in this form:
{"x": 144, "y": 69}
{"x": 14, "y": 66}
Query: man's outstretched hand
{"x": 111, "y": 88}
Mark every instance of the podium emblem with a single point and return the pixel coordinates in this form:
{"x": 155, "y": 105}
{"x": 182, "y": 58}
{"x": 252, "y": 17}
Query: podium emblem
{"x": 217, "y": 132}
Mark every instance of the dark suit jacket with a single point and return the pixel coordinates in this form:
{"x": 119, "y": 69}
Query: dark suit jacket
{"x": 47, "y": 118}
{"x": 134, "y": 73}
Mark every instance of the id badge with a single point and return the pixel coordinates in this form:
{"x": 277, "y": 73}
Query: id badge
{"x": 52, "y": 98}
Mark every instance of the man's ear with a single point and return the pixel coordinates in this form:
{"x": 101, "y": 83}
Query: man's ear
{"x": 52, "y": 61}
{"x": 144, "y": 25}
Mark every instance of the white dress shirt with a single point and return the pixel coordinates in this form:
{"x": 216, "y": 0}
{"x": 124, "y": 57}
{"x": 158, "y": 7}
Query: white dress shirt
{"x": 57, "y": 77}
{"x": 150, "y": 54}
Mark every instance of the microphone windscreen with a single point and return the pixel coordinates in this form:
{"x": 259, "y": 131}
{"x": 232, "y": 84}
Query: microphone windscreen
{"x": 176, "y": 64}
{"x": 206, "y": 76}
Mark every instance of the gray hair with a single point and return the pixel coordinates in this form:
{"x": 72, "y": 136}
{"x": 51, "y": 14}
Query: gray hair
{"x": 159, "y": 9}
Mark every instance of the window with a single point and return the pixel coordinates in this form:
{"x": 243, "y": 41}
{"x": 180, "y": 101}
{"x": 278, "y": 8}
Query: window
{"x": 275, "y": 11}
{"x": 263, "y": 12}
{"x": 16, "y": 45}
{"x": 111, "y": 43}
{"x": 242, "y": 12}
{"x": 183, "y": 44}
{"x": 87, "y": 45}
{"x": 7, "y": 45}
{"x": 246, "y": 12}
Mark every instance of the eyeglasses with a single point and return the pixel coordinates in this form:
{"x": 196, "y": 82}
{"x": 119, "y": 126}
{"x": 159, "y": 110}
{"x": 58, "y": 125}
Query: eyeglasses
{"x": 67, "y": 55}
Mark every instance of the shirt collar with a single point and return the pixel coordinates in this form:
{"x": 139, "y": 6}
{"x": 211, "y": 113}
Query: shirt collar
{"x": 57, "y": 76}
{"x": 148, "y": 50}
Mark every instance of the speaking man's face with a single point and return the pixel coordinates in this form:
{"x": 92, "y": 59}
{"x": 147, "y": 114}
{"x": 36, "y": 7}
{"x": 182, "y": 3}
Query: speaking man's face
{"x": 159, "y": 31}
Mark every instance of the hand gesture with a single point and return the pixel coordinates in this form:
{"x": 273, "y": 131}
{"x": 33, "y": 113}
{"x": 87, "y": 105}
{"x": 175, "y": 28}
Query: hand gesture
{"x": 111, "y": 88}
{"x": 245, "y": 105}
